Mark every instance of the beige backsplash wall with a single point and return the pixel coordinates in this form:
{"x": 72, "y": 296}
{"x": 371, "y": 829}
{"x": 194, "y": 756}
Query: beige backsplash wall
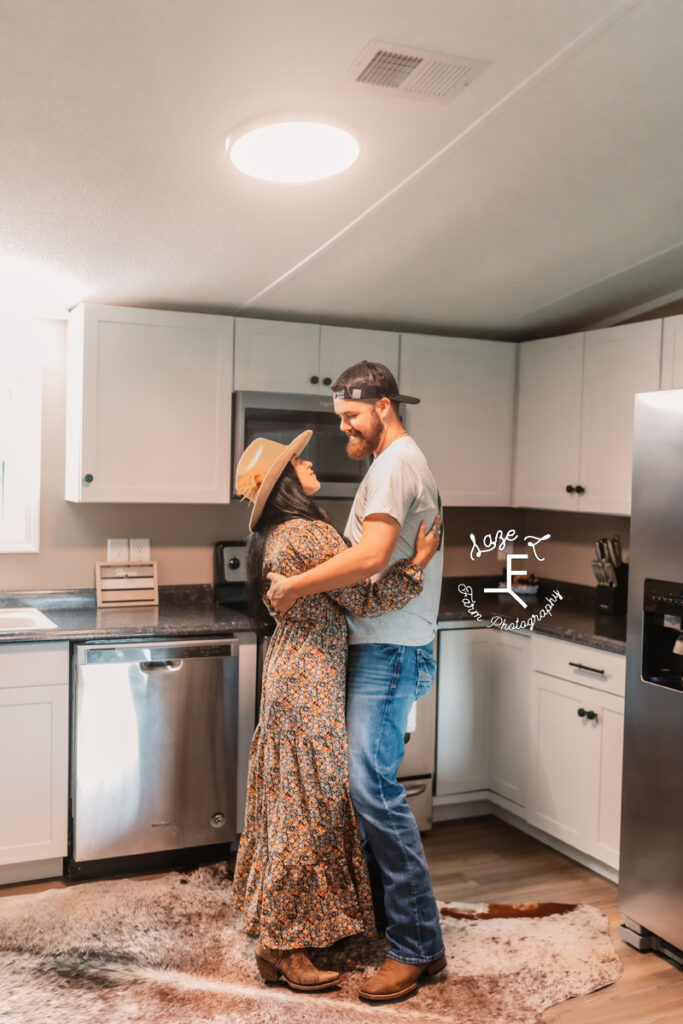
{"x": 566, "y": 554}
{"x": 74, "y": 536}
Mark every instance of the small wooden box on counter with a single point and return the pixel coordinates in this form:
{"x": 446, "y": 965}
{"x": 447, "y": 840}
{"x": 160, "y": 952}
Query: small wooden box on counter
{"x": 126, "y": 584}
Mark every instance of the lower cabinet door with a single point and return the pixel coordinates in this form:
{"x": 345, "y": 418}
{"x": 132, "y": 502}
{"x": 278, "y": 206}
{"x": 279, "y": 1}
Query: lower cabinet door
{"x": 611, "y": 717}
{"x": 575, "y": 765}
{"x": 509, "y": 715}
{"x": 462, "y": 742}
{"x": 34, "y": 742}
{"x": 564, "y": 767}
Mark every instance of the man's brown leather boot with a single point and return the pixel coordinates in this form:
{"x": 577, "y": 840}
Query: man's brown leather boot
{"x": 395, "y": 979}
{"x": 295, "y": 969}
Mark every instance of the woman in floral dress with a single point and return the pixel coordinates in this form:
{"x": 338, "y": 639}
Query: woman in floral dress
{"x": 301, "y": 879}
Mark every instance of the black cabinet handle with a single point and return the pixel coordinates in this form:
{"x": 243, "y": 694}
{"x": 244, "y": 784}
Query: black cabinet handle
{"x": 587, "y": 668}
{"x": 88, "y": 478}
{"x": 581, "y": 712}
{"x": 591, "y": 715}
{"x": 327, "y": 381}
{"x": 570, "y": 489}
{"x": 315, "y": 380}
{"x": 579, "y": 489}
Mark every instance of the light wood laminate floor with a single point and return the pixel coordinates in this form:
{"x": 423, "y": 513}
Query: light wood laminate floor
{"x": 484, "y": 860}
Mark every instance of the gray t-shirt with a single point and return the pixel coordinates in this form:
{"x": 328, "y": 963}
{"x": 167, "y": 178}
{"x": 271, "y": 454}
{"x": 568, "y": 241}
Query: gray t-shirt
{"x": 399, "y": 483}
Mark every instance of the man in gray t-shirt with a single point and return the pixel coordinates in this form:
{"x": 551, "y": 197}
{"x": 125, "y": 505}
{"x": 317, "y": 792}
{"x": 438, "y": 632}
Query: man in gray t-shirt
{"x": 390, "y": 665}
{"x": 399, "y": 484}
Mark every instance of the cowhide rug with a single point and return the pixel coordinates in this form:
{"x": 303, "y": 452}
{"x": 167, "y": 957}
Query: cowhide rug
{"x": 170, "y": 950}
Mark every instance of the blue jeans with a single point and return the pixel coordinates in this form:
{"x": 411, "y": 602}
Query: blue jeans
{"x": 383, "y": 682}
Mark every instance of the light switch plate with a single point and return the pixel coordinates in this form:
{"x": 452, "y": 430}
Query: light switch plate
{"x": 117, "y": 550}
{"x": 139, "y": 549}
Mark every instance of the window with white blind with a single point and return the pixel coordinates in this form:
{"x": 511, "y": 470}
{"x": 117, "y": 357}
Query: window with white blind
{"x": 20, "y": 406}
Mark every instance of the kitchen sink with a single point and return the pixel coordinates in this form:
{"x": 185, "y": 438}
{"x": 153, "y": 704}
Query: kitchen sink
{"x": 13, "y": 620}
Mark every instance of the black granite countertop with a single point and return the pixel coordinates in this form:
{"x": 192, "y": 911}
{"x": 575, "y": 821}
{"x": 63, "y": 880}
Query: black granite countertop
{"x": 573, "y": 618}
{"x": 182, "y": 611}
{"x": 191, "y": 612}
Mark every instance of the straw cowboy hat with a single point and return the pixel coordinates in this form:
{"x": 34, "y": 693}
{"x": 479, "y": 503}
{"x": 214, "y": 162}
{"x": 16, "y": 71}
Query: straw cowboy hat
{"x": 260, "y": 467}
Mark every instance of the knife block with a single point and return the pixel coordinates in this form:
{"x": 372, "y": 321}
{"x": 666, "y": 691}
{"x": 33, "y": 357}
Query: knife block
{"x": 612, "y": 600}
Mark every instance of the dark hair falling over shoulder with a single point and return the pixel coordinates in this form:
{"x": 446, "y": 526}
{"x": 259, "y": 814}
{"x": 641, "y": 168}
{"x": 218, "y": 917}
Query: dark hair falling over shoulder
{"x": 287, "y": 500}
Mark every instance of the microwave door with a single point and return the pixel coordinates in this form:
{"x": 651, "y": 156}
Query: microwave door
{"x": 281, "y": 418}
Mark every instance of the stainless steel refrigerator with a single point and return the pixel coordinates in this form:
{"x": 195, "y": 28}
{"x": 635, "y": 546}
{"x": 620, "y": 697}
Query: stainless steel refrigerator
{"x": 651, "y": 862}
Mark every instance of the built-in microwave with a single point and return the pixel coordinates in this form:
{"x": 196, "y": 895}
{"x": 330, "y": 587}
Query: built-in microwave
{"x": 280, "y": 418}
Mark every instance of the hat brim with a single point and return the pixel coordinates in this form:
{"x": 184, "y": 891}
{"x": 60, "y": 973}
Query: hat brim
{"x": 275, "y": 472}
{"x": 343, "y": 396}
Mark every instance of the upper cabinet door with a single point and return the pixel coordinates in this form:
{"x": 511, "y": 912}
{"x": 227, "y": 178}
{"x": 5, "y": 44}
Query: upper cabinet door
{"x": 148, "y": 406}
{"x": 547, "y": 448}
{"x": 672, "y": 353}
{"x": 271, "y": 355}
{"x": 619, "y": 362}
{"x": 464, "y": 423}
{"x": 341, "y": 347}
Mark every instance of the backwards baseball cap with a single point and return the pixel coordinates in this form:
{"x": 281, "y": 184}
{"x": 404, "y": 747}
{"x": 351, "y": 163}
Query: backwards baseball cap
{"x": 366, "y": 382}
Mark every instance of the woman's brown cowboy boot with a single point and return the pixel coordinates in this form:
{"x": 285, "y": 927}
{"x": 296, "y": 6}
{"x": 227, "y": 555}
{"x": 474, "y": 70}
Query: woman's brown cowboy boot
{"x": 295, "y": 969}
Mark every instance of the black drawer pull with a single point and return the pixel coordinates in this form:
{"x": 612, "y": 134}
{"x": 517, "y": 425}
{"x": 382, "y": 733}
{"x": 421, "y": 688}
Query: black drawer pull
{"x": 591, "y": 715}
{"x": 579, "y": 489}
{"x": 570, "y": 489}
{"x": 315, "y": 380}
{"x": 587, "y": 668}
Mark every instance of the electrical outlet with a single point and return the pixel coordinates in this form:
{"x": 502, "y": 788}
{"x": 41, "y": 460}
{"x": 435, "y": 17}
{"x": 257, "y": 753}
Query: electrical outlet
{"x": 139, "y": 549}
{"x": 117, "y": 550}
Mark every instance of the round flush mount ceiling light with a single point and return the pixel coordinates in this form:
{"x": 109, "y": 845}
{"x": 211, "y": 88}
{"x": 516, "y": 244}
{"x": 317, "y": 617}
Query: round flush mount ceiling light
{"x": 291, "y": 151}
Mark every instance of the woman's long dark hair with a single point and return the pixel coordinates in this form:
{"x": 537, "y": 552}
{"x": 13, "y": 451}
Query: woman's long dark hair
{"x": 287, "y": 500}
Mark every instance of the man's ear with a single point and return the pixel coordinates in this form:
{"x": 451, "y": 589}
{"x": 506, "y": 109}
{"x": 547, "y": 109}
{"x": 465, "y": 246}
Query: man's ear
{"x": 383, "y": 407}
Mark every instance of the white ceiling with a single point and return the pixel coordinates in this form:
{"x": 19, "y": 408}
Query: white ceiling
{"x": 544, "y": 198}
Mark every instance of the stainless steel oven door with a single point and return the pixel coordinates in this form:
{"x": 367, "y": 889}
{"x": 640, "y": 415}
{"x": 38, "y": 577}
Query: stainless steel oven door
{"x": 281, "y": 417}
{"x": 420, "y": 748}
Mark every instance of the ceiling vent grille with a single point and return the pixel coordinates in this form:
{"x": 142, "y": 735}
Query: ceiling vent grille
{"x": 399, "y": 71}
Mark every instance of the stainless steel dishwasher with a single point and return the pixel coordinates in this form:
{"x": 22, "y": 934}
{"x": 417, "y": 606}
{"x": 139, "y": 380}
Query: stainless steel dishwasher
{"x": 154, "y": 748}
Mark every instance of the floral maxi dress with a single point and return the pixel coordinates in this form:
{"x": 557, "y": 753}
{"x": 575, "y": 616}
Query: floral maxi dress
{"x": 300, "y": 876}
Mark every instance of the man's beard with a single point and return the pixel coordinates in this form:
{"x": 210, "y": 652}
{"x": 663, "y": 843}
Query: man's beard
{"x": 359, "y": 447}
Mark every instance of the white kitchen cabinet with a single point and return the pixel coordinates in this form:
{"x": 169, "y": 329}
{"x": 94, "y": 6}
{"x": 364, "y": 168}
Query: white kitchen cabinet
{"x": 575, "y": 417}
{"x": 672, "y": 353}
{"x": 575, "y": 745}
{"x": 548, "y": 435}
{"x": 341, "y": 347}
{"x": 34, "y": 752}
{"x": 464, "y": 423}
{"x": 610, "y": 719}
{"x": 304, "y": 359}
{"x": 618, "y": 363}
{"x": 148, "y": 406}
{"x": 509, "y": 699}
{"x": 274, "y": 355}
{"x": 462, "y": 741}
